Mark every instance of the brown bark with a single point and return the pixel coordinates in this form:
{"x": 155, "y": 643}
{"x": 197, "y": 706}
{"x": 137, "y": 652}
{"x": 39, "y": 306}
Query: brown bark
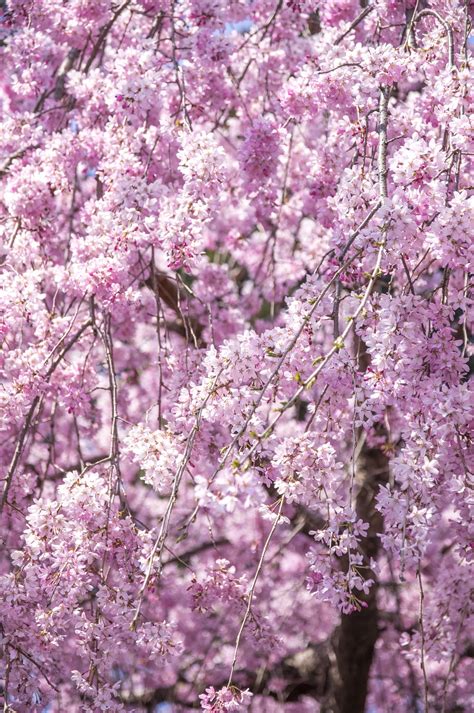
{"x": 174, "y": 297}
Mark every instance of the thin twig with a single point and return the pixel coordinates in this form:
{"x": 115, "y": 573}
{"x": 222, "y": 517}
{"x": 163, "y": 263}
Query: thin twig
{"x": 354, "y": 24}
{"x": 20, "y": 443}
{"x": 422, "y": 634}
{"x": 252, "y": 590}
{"x": 165, "y": 523}
{"x": 447, "y": 28}
{"x": 103, "y": 34}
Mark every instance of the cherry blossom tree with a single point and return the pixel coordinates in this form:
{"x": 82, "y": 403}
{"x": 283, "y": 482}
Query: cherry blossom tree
{"x": 236, "y": 418}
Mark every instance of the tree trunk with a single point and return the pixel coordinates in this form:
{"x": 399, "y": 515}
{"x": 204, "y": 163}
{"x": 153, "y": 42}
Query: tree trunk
{"x": 355, "y": 638}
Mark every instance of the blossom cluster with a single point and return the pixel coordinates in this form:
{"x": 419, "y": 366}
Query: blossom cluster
{"x": 236, "y": 414}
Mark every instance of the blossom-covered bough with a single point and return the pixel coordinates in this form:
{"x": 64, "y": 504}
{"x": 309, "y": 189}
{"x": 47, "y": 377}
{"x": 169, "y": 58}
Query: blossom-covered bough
{"x": 236, "y": 418}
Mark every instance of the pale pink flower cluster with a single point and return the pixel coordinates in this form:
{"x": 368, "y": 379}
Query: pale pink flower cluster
{"x": 158, "y": 453}
{"x": 236, "y": 347}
